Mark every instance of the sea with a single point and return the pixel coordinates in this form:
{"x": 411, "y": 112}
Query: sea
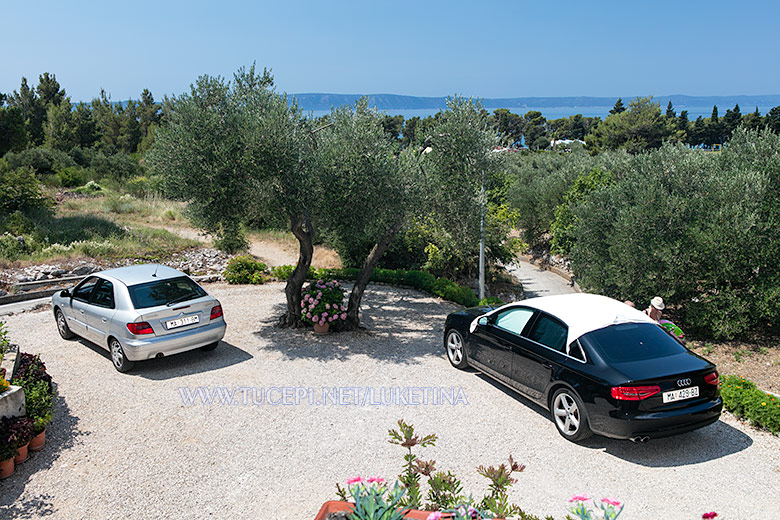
{"x": 559, "y": 112}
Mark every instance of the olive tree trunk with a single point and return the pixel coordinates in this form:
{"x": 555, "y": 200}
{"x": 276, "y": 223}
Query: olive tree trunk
{"x": 353, "y": 309}
{"x": 301, "y": 227}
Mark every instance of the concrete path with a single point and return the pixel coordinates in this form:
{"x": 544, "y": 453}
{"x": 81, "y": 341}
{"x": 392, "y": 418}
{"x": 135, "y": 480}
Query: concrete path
{"x": 537, "y": 281}
{"x": 16, "y": 308}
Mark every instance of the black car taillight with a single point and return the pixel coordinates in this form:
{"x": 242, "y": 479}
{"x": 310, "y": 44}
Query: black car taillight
{"x": 216, "y": 312}
{"x": 634, "y": 393}
{"x": 139, "y": 328}
{"x": 712, "y": 379}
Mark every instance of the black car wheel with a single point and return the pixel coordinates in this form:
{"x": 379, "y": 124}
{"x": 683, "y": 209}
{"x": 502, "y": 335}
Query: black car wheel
{"x": 456, "y": 349}
{"x": 62, "y": 325}
{"x": 569, "y": 415}
{"x": 121, "y": 363}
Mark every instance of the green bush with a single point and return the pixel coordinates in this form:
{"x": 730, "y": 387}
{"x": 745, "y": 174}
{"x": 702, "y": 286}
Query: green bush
{"x": 144, "y": 186}
{"x": 89, "y": 188}
{"x": 17, "y": 223}
{"x": 43, "y": 161}
{"x": 420, "y": 280}
{"x": 72, "y": 176}
{"x": 742, "y": 398}
{"x": 21, "y": 191}
{"x": 245, "y": 270}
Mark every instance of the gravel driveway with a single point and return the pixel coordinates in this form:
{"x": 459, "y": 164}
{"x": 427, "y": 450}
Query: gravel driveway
{"x": 127, "y": 446}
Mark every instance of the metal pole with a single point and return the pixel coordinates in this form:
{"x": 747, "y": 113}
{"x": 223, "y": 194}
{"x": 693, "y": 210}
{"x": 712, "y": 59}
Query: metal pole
{"x": 482, "y": 239}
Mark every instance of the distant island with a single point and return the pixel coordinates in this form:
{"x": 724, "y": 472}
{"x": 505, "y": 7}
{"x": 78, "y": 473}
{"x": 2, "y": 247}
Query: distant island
{"x": 320, "y": 101}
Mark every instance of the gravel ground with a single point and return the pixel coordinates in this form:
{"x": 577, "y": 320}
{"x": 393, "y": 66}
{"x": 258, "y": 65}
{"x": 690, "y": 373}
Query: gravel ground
{"x": 127, "y": 446}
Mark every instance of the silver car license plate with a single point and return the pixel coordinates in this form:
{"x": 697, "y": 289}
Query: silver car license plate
{"x": 181, "y": 322}
{"x": 681, "y": 394}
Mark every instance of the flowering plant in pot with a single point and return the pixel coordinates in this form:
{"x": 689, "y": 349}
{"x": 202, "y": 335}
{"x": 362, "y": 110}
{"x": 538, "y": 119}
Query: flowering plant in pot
{"x": 40, "y": 409}
{"x": 322, "y": 303}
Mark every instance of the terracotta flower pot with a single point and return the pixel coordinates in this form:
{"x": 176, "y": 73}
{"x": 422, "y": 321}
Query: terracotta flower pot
{"x": 6, "y": 468}
{"x": 37, "y": 442}
{"x": 334, "y": 506}
{"x": 22, "y": 455}
{"x": 321, "y": 329}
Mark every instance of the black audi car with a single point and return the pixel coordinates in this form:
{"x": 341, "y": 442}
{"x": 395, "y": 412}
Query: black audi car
{"x": 598, "y": 365}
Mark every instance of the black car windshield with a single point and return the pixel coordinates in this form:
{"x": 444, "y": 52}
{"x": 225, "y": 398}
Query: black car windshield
{"x": 164, "y": 292}
{"x": 631, "y": 342}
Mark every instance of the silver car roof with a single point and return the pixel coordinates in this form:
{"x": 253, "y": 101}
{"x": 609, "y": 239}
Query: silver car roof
{"x": 142, "y": 273}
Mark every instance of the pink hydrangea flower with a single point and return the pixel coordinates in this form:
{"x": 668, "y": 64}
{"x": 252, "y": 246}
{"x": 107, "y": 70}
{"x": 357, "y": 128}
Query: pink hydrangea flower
{"x": 324, "y": 314}
{"x": 579, "y": 498}
{"x": 343, "y": 315}
{"x": 355, "y": 480}
{"x": 308, "y": 315}
{"x": 611, "y": 501}
{"x": 327, "y": 306}
{"x": 303, "y": 304}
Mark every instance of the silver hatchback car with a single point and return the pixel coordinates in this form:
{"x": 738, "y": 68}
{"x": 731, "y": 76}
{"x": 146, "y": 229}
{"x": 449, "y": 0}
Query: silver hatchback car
{"x": 140, "y": 312}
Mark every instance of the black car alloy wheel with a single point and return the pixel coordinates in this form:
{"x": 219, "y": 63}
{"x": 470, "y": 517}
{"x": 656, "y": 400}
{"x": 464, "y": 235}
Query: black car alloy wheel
{"x": 568, "y": 414}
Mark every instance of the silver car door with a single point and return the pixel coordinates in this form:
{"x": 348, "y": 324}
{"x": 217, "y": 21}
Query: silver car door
{"x": 76, "y": 311}
{"x": 100, "y": 311}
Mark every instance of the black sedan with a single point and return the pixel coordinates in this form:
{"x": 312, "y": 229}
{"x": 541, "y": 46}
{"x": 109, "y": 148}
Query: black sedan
{"x": 597, "y": 364}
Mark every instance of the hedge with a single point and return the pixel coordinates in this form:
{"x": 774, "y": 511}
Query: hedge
{"x": 420, "y": 280}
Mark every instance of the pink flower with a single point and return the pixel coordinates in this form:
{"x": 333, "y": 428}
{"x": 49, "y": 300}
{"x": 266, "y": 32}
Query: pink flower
{"x": 355, "y": 480}
{"x": 343, "y": 308}
{"x": 327, "y": 306}
{"x": 343, "y": 315}
{"x": 303, "y": 304}
{"x": 579, "y": 498}
{"x": 308, "y": 315}
{"x": 436, "y": 515}
{"x": 707, "y": 516}
{"x": 324, "y": 314}
{"x": 611, "y": 501}
{"x": 319, "y": 295}
{"x": 330, "y": 319}
{"x": 378, "y": 480}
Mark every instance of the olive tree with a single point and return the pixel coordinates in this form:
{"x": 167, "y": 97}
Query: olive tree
{"x": 367, "y": 191}
{"x": 233, "y": 150}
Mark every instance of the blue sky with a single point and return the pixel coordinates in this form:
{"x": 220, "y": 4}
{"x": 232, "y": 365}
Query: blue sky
{"x": 487, "y": 49}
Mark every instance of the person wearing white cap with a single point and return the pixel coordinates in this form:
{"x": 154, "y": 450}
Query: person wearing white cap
{"x": 656, "y": 306}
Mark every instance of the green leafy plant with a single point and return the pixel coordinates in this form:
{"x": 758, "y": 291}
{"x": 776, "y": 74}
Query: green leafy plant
{"x": 8, "y": 438}
{"x": 373, "y": 501}
{"x": 742, "y": 398}
{"x": 497, "y": 501}
{"x": 39, "y": 401}
{"x": 245, "y": 270}
{"x": 444, "y": 488}
{"x": 406, "y": 437}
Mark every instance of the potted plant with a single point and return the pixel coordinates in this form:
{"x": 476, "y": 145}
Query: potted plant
{"x": 371, "y": 500}
{"x": 23, "y": 432}
{"x": 40, "y": 409}
{"x": 8, "y": 444}
{"x": 322, "y": 303}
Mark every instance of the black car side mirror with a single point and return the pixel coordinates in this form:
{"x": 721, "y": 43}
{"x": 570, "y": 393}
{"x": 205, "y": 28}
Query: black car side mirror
{"x": 65, "y": 293}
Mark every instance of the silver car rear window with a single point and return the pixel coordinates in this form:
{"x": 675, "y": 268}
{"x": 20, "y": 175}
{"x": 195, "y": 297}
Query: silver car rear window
{"x": 164, "y": 292}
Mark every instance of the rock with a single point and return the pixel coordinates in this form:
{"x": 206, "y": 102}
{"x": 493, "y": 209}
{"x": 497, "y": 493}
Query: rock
{"x": 84, "y": 270}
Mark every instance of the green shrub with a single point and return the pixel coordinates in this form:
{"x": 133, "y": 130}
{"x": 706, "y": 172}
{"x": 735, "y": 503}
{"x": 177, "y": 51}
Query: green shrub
{"x": 39, "y": 402}
{"x": 144, "y": 186}
{"x": 89, "y": 188}
{"x": 72, "y": 177}
{"x": 17, "y": 223}
{"x": 742, "y": 398}
{"x": 21, "y": 191}
{"x": 281, "y": 272}
{"x": 43, "y": 161}
{"x": 11, "y": 248}
{"x": 245, "y": 270}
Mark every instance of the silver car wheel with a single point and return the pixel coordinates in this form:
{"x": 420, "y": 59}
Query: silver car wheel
{"x": 62, "y": 325}
{"x": 456, "y": 352}
{"x": 567, "y": 414}
{"x": 121, "y": 363}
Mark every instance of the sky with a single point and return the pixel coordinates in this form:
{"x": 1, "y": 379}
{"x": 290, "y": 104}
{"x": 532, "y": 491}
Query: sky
{"x": 420, "y": 48}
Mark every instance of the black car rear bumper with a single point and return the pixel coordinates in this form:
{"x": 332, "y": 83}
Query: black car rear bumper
{"x": 621, "y": 425}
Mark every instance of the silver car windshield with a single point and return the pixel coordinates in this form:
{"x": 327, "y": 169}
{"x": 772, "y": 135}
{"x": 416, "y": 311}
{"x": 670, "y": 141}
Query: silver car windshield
{"x": 164, "y": 292}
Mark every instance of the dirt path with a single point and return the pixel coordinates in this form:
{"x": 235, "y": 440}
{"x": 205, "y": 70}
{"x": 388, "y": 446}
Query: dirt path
{"x": 270, "y": 252}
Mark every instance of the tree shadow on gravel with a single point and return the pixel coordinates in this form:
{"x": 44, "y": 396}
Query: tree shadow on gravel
{"x": 711, "y": 442}
{"x": 62, "y": 434}
{"x": 398, "y": 326}
{"x": 187, "y": 363}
